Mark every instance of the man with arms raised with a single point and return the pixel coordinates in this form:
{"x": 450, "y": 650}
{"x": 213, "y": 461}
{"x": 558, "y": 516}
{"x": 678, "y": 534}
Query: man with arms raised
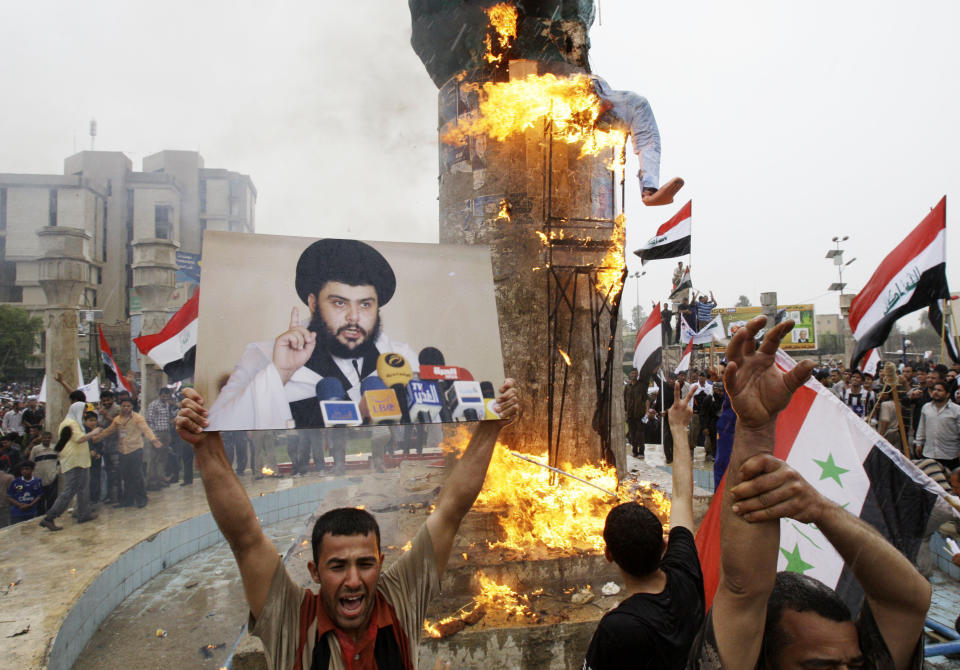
{"x": 362, "y": 618}
{"x": 657, "y": 622}
{"x": 805, "y": 624}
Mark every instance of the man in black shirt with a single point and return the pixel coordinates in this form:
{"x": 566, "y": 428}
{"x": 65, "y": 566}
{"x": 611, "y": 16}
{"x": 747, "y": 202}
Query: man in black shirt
{"x": 657, "y": 622}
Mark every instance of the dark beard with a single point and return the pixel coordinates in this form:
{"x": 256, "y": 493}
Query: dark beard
{"x": 327, "y": 340}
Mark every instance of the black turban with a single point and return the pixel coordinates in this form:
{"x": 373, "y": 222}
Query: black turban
{"x": 347, "y": 261}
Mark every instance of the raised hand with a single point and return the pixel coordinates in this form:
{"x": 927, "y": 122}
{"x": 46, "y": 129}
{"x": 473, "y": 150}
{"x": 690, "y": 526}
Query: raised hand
{"x": 508, "y": 403}
{"x": 293, "y": 348}
{"x": 681, "y": 412}
{"x": 770, "y": 489}
{"x": 192, "y": 417}
{"x": 758, "y": 389}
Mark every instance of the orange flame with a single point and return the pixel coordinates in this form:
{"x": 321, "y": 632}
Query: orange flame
{"x": 503, "y": 19}
{"x": 569, "y": 104}
{"x": 609, "y": 280}
{"x": 563, "y": 354}
{"x": 504, "y": 212}
{"x": 266, "y": 471}
{"x": 534, "y": 513}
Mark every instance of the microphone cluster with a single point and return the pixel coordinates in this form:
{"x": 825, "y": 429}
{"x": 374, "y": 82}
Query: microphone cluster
{"x": 396, "y": 395}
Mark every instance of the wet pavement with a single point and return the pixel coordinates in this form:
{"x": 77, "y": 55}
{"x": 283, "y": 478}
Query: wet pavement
{"x": 190, "y": 616}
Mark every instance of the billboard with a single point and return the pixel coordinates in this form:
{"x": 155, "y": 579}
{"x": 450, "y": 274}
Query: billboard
{"x": 803, "y": 337}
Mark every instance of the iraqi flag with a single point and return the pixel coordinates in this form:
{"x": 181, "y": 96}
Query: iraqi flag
{"x": 913, "y": 276}
{"x": 683, "y": 284}
{"x": 672, "y": 238}
{"x": 849, "y": 463}
{"x": 684, "y": 363}
{"x": 935, "y": 314}
{"x": 174, "y": 348}
{"x": 870, "y": 362}
{"x": 648, "y": 349}
{"x": 110, "y": 370}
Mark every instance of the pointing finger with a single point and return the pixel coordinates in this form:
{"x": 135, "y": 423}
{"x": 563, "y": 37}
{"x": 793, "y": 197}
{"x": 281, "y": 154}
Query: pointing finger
{"x": 294, "y": 317}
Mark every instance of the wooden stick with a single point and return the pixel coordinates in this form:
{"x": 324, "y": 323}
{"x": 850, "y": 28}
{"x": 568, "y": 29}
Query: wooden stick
{"x": 890, "y": 378}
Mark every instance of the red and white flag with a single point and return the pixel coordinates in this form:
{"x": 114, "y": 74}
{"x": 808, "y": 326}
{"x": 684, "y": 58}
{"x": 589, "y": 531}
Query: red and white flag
{"x": 913, "y": 276}
{"x": 174, "y": 348}
{"x": 672, "y": 238}
{"x": 848, "y": 462}
{"x": 110, "y": 370}
{"x": 648, "y": 349}
{"x": 684, "y": 363}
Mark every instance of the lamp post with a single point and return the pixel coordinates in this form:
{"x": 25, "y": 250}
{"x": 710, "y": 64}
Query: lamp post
{"x": 636, "y": 275}
{"x": 837, "y": 256}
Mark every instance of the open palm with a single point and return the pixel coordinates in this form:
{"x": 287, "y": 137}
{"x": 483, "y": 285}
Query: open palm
{"x": 758, "y": 389}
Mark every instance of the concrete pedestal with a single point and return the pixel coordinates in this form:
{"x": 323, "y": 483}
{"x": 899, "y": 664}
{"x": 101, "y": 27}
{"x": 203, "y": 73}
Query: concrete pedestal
{"x": 64, "y": 273}
{"x": 154, "y": 278}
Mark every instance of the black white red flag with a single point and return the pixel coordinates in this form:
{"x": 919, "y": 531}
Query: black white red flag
{"x": 847, "y": 461}
{"x": 683, "y": 284}
{"x": 648, "y": 349}
{"x": 110, "y": 370}
{"x": 672, "y": 238}
{"x": 935, "y": 314}
{"x": 684, "y": 363}
{"x": 174, "y": 348}
{"x": 913, "y": 276}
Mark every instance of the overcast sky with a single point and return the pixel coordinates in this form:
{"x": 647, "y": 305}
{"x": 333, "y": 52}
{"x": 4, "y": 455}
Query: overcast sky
{"x": 792, "y": 122}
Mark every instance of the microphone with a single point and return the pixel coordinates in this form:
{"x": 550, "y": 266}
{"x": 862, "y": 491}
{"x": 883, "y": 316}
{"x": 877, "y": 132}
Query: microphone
{"x": 465, "y": 401}
{"x": 446, "y": 373}
{"x": 335, "y": 408}
{"x": 425, "y": 401}
{"x": 430, "y": 356}
{"x": 378, "y": 404}
{"x": 395, "y": 372}
{"x": 489, "y": 400}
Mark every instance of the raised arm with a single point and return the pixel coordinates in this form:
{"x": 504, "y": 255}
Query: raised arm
{"x": 256, "y": 556}
{"x": 463, "y": 486}
{"x": 681, "y": 501}
{"x": 59, "y": 377}
{"x": 748, "y": 565}
{"x": 899, "y": 596}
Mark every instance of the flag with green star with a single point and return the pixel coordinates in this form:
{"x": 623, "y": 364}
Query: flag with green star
{"x": 848, "y": 462}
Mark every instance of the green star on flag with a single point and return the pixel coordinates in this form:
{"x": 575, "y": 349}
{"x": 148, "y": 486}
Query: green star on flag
{"x": 830, "y": 470}
{"x": 794, "y": 562}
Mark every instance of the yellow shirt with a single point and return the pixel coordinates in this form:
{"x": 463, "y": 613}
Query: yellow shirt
{"x": 74, "y": 454}
{"x": 132, "y": 430}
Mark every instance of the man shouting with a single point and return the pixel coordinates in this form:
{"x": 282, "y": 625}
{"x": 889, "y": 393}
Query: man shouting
{"x": 363, "y": 617}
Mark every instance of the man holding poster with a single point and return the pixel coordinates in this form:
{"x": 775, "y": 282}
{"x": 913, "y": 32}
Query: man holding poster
{"x": 343, "y": 283}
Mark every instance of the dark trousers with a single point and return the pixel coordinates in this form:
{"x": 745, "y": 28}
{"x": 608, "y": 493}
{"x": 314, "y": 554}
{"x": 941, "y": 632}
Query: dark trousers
{"x": 111, "y": 463}
{"x": 186, "y": 459}
{"x": 131, "y": 469}
{"x": 96, "y": 467}
{"x": 635, "y": 436}
{"x": 710, "y": 441}
{"x": 49, "y": 495}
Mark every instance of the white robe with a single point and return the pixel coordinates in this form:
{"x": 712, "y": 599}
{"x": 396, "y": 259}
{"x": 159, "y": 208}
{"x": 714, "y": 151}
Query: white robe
{"x": 255, "y": 398}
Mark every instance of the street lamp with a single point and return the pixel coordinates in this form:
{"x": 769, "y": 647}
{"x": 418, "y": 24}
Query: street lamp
{"x": 837, "y": 256}
{"x": 636, "y": 275}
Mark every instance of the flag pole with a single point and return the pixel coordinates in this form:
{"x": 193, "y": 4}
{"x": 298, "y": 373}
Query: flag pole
{"x": 953, "y": 322}
{"x": 891, "y": 379}
{"x": 943, "y": 331}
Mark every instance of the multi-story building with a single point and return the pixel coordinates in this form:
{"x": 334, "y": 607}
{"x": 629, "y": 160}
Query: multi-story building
{"x": 175, "y": 197}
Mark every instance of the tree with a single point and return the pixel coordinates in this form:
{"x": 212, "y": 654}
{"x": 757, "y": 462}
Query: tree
{"x": 638, "y": 315}
{"x": 19, "y": 333}
{"x": 743, "y": 301}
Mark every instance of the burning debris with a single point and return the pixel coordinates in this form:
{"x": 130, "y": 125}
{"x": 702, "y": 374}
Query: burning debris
{"x": 503, "y": 21}
{"x": 493, "y": 597}
{"x": 535, "y": 514}
{"x": 569, "y": 104}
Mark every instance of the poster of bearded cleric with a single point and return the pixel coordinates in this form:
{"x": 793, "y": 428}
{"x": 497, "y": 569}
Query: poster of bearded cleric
{"x": 305, "y": 333}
